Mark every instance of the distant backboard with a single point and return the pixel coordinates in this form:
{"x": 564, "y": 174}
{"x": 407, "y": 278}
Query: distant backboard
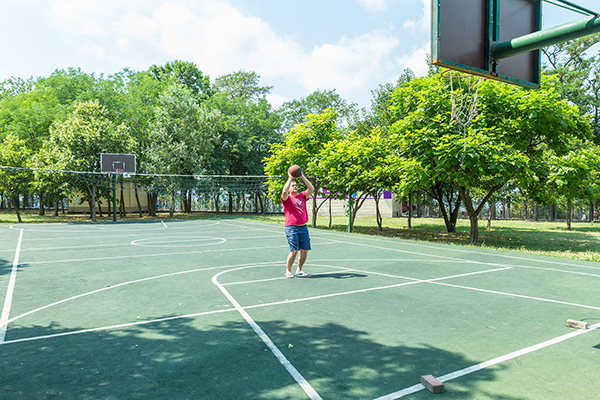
{"x": 465, "y": 31}
{"x": 110, "y": 162}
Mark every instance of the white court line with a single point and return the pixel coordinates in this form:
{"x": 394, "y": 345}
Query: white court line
{"x": 82, "y": 260}
{"x": 489, "y": 363}
{"x": 483, "y": 262}
{"x": 547, "y": 260}
{"x": 178, "y": 243}
{"x": 9, "y": 292}
{"x": 132, "y": 282}
{"x": 105, "y": 328}
{"x": 318, "y": 232}
{"x": 308, "y": 389}
{"x": 518, "y": 295}
{"x": 85, "y": 247}
{"x": 556, "y": 270}
{"x": 413, "y": 281}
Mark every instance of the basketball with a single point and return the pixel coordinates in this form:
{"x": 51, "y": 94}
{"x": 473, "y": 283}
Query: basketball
{"x": 295, "y": 171}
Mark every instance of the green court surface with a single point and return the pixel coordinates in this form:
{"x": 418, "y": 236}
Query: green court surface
{"x": 200, "y": 309}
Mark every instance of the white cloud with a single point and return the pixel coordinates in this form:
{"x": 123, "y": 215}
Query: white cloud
{"x": 425, "y": 22}
{"x": 276, "y": 100}
{"x": 220, "y": 39}
{"x": 93, "y": 49}
{"x": 352, "y": 65}
{"x": 82, "y": 17}
{"x": 216, "y": 36}
{"x": 374, "y": 5}
{"x": 416, "y": 61}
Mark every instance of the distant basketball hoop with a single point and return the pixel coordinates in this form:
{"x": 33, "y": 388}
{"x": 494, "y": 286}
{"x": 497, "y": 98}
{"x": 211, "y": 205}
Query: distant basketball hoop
{"x": 117, "y": 163}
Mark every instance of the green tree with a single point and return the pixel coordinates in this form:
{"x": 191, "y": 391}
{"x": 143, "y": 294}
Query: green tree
{"x": 248, "y": 125}
{"x": 187, "y": 74}
{"x": 358, "y": 166}
{"x": 80, "y": 140}
{"x": 15, "y": 177}
{"x": 578, "y": 74}
{"x": 504, "y": 142}
{"x": 297, "y": 111}
{"x": 570, "y": 176}
{"x": 247, "y": 128}
{"x": 180, "y": 138}
{"x": 301, "y": 146}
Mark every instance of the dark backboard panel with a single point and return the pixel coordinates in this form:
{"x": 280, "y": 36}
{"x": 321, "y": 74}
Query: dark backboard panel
{"x": 518, "y": 18}
{"x": 110, "y": 162}
{"x": 464, "y": 32}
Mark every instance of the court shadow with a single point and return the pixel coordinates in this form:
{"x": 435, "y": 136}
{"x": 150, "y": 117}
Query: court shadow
{"x": 180, "y": 359}
{"x": 5, "y": 266}
{"x": 338, "y": 275}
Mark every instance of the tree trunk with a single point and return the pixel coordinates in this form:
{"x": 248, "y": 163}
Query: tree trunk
{"x": 137, "y": 199}
{"x": 42, "y": 208}
{"x": 551, "y": 212}
{"x": 474, "y": 212}
{"x": 569, "y": 213}
{"x": 378, "y": 213}
{"x": 16, "y": 207}
{"x": 172, "y": 207}
{"x": 468, "y": 202}
{"x": 450, "y": 216}
{"x": 410, "y": 211}
{"x": 92, "y": 191}
{"x": 152, "y": 200}
{"x": 330, "y": 215}
{"x": 315, "y": 210}
{"x": 122, "y": 205}
{"x": 260, "y": 201}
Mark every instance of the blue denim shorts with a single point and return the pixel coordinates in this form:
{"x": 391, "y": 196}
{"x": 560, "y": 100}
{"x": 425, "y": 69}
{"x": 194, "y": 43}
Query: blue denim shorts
{"x": 297, "y": 237}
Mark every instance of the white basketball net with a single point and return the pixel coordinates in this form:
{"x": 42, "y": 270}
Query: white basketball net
{"x": 464, "y": 90}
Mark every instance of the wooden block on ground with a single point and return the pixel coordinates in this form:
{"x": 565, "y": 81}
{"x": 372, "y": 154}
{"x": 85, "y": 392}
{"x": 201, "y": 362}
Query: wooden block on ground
{"x": 577, "y": 324}
{"x": 432, "y": 384}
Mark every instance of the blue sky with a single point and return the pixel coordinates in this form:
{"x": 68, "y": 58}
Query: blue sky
{"x": 296, "y": 46}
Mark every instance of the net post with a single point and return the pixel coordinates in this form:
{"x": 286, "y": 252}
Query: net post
{"x": 350, "y": 212}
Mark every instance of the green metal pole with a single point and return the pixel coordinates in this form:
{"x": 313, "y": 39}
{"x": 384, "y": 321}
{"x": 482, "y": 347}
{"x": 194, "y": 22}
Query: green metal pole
{"x": 115, "y": 197}
{"x": 350, "y": 213}
{"x": 547, "y": 37}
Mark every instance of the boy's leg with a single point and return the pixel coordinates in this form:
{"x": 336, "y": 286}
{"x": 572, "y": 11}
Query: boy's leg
{"x": 303, "y": 255}
{"x": 290, "y": 260}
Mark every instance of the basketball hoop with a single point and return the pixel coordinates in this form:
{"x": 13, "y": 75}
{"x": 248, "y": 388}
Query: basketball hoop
{"x": 464, "y": 90}
{"x": 119, "y": 171}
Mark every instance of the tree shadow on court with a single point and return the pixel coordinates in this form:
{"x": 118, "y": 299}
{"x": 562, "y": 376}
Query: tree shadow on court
{"x": 178, "y": 360}
{"x": 5, "y": 266}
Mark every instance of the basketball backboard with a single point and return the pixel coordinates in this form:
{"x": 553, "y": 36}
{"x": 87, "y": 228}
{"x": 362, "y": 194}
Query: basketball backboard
{"x": 110, "y": 162}
{"x": 464, "y": 33}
